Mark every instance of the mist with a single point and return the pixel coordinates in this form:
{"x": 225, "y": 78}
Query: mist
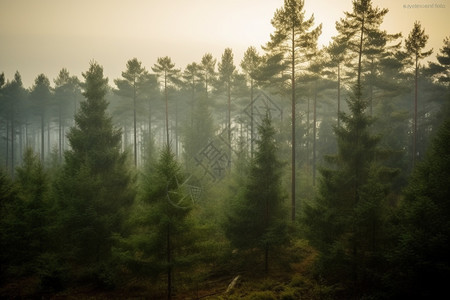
{"x": 288, "y": 170}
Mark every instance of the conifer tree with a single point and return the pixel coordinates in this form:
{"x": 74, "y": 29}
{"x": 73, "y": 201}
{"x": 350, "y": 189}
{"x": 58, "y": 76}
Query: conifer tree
{"x": 251, "y": 65}
{"x": 420, "y": 263}
{"x": 128, "y": 88}
{"x": 40, "y": 95}
{"x": 169, "y": 207}
{"x": 95, "y": 188}
{"x": 208, "y": 64}
{"x": 257, "y": 218}
{"x": 14, "y": 109}
{"x": 295, "y": 38}
{"x": 414, "y": 44}
{"x": 347, "y": 221}
{"x": 441, "y": 69}
{"x": 165, "y": 70}
{"x": 67, "y": 91}
{"x": 226, "y": 72}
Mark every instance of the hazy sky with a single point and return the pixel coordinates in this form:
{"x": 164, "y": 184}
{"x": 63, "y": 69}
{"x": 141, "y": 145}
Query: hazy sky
{"x": 43, "y": 36}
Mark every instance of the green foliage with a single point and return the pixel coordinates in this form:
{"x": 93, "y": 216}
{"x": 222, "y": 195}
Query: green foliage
{"x": 420, "y": 258}
{"x": 347, "y": 223}
{"x": 94, "y": 190}
{"x": 257, "y": 218}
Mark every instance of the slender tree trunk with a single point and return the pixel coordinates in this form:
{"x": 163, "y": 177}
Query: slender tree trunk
{"x": 308, "y": 130}
{"x": 169, "y": 265}
{"x": 60, "y": 132}
{"x": 339, "y": 94}
{"x": 251, "y": 118}
{"x": 42, "y": 138}
{"x": 13, "y": 134}
{"x": 360, "y": 50}
{"x": 134, "y": 122}
{"x": 415, "y": 114}
{"x": 293, "y": 128}
{"x": 229, "y": 113}
{"x": 7, "y": 146}
{"x": 176, "y": 128}
{"x": 167, "y": 108}
{"x": 314, "y": 133}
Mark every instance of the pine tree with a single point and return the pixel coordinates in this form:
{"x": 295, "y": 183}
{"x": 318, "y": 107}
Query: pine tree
{"x": 251, "y": 64}
{"x": 208, "y": 64}
{"x": 165, "y": 70}
{"x": 40, "y": 96}
{"x": 14, "y": 110}
{"x": 67, "y": 92}
{"x": 95, "y": 188}
{"x": 257, "y": 218}
{"x": 226, "y": 73}
{"x": 414, "y": 44}
{"x": 346, "y": 222}
{"x": 128, "y": 88}
{"x": 297, "y": 41}
{"x": 441, "y": 70}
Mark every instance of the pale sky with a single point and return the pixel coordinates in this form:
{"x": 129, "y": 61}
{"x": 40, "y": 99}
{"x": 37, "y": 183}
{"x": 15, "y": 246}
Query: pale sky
{"x": 43, "y": 36}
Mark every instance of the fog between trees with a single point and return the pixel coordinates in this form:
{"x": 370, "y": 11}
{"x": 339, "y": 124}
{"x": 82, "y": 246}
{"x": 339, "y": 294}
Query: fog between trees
{"x": 167, "y": 178}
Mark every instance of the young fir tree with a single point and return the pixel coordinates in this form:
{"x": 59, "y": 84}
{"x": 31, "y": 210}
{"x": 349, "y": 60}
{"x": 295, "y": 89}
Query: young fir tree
{"x": 420, "y": 262}
{"x": 257, "y": 218}
{"x": 346, "y": 224}
{"x": 167, "y": 206}
{"x": 25, "y": 216}
{"x": 95, "y": 188}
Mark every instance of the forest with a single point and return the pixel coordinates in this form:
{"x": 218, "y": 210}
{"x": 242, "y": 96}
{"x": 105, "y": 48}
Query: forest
{"x": 300, "y": 172}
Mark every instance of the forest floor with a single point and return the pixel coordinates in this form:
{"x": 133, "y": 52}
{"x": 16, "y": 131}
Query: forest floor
{"x": 285, "y": 281}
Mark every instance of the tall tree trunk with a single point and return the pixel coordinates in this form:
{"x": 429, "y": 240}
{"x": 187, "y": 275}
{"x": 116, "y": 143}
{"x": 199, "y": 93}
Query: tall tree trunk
{"x": 360, "y": 50}
{"x": 314, "y": 133}
{"x": 134, "y": 122}
{"x": 13, "y": 134}
{"x": 251, "y": 119}
{"x": 167, "y": 108}
{"x": 339, "y": 94}
{"x": 42, "y": 138}
{"x": 293, "y": 127}
{"x": 169, "y": 265}
{"x": 415, "y": 113}
{"x": 7, "y": 146}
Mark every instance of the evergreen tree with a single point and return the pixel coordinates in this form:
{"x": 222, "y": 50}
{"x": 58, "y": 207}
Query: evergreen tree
{"x": 14, "y": 110}
{"x": 168, "y": 208}
{"x": 414, "y": 44}
{"x": 251, "y": 65}
{"x": 128, "y": 88}
{"x": 346, "y": 224}
{"x": 420, "y": 263}
{"x": 165, "y": 70}
{"x": 257, "y": 218}
{"x": 25, "y": 224}
{"x": 208, "y": 64}
{"x": 67, "y": 92}
{"x": 95, "y": 188}
{"x": 295, "y": 38}
{"x": 358, "y": 29}
{"x": 40, "y": 96}
{"x": 226, "y": 72}
{"x": 441, "y": 70}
